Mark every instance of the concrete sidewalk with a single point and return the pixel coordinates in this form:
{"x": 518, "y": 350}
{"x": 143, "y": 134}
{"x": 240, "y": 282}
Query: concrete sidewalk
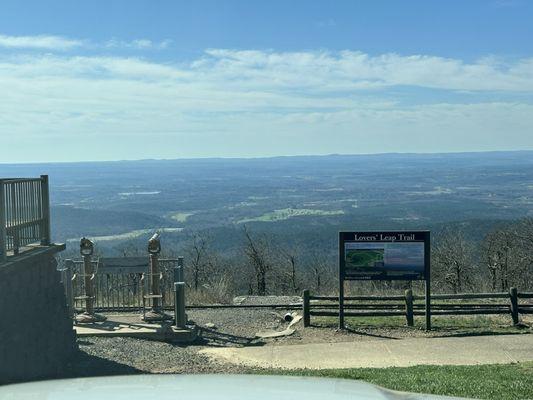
{"x": 384, "y": 352}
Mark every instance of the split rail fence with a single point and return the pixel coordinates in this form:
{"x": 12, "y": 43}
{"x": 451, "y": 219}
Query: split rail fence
{"x": 513, "y": 303}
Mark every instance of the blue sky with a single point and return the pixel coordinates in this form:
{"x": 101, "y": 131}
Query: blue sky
{"x": 107, "y": 80}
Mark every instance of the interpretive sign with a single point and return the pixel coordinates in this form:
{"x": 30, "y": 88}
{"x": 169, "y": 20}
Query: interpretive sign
{"x": 384, "y": 255}
{"x": 403, "y": 255}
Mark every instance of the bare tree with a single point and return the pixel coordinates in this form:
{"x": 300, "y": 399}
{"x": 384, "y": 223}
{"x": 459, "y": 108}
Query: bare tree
{"x": 201, "y": 259}
{"x": 506, "y": 252}
{"x": 289, "y": 270}
{"x": 318, "y": 270}
{"x": 256, "y": 251}
{"x": 453, "y": 260}
{"x": 495, "y": 255}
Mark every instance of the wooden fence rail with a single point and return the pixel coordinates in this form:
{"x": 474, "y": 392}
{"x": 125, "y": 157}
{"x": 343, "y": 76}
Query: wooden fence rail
{"x": 398, "y": 305}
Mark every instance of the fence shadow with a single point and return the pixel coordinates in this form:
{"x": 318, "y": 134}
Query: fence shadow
{"x": 481, "y": 333}
{"x": 374, "y": 335}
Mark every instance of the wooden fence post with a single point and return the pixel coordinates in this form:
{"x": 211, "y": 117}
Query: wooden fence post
{"x": 513, "y": 294}
{"x": 305, "y": 307}
{"x": 409, "y": 307}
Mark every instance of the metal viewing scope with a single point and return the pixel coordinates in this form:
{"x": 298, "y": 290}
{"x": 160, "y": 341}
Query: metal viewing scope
{"x": 154, "y": 244}
{"x": 86, "y": 247}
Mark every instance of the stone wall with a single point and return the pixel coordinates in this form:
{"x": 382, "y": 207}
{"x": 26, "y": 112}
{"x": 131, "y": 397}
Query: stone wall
{"x": 36, "y": 335}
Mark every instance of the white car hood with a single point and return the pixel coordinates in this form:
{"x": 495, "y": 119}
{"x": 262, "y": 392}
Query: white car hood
{"x": 209, "y": 387}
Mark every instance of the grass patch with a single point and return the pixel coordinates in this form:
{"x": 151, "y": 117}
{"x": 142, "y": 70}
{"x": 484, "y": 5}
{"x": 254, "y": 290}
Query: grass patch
{"x": 286, "y": 213}
{"x": 180, "y": 216}
{"x": 447, "y": 325}
{"x": 496, "y": 381}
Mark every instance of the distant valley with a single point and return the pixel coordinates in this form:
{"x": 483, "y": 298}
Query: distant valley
{"x": 300, "y": 199}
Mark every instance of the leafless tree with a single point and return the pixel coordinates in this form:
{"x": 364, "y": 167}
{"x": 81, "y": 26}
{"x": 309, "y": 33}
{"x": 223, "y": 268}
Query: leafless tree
{"x": 453, "y": 261}
{"x": 256, "y": 250}
{"x": 202, "y": 260}
{"x": 506, "y": 252}
{"x": 287, "y": 273}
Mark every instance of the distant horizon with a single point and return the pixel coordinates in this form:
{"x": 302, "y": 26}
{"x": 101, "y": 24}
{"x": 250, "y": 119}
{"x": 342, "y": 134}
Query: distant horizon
{"x": 270, "y": 157}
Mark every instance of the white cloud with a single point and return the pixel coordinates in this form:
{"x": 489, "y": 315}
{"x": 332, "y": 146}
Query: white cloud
{"x": 60, "y": 43}
{"x": 43, "y": 42}
{"x": 255, "y": 103}
{"x": 139, "y": 44}
{"x": 351, "y": 70}
{"x": 346, "y": 71}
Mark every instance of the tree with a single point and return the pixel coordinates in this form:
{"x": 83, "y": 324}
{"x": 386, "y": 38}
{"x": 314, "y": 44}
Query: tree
{"x": 506, "y": 252}
{"x": 453, "y": 261}
{"x": 288, "y": 274}
{"x": 201, "y": 259}
{"x": 256, "y": 251}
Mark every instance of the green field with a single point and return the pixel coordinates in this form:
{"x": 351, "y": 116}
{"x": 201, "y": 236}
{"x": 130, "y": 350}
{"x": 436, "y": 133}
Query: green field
{"x": 180, "y": 216}
{"x": 496, "y": 381}
{"x": 286, "y": 213}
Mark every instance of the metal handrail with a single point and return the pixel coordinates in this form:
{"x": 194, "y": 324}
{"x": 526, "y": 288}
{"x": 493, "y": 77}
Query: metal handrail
{"x": 24, "y": 214}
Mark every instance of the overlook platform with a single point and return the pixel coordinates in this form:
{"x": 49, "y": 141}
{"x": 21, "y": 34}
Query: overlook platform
{"x": 130, "y": 326}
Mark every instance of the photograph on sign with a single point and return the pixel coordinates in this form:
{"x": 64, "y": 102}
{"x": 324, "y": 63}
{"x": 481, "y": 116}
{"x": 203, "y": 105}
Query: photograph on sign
{"x": 384, "y": 260}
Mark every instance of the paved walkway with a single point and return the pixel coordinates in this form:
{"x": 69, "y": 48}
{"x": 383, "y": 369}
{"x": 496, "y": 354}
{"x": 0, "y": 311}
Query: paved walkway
{"x": 384, "y": 352}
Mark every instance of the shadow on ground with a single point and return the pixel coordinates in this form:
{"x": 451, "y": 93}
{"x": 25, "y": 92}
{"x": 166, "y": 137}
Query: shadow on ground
{"x": 479, "y": 333}
{"x": 363, "y": 333}
{"x": 215, "y": 338}
{"x": 85, "y": 365}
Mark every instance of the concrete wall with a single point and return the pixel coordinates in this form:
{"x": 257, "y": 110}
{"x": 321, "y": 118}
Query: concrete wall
{"x": 36, "y": 335}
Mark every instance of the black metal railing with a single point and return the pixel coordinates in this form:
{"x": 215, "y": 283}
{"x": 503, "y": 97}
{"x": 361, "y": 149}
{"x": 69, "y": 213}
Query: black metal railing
{"x": 24, "y": 214}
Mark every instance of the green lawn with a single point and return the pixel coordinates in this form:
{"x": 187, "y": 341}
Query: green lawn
{"x": 497, "y": 381}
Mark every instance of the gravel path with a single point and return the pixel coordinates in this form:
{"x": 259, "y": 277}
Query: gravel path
{"x": 218, "y": 328}
{"x": 106, "y": 356}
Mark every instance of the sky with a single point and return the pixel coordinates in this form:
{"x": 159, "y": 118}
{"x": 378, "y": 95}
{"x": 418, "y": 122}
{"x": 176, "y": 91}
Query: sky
{"x": 113, "y": 80}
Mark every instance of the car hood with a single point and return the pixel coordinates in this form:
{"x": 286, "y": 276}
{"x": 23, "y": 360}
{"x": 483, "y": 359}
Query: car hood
{"x": 190, "y": 387}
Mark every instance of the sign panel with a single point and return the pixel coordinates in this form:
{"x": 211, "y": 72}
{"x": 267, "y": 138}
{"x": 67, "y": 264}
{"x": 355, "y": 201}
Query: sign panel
{"x": 384, "y": 255}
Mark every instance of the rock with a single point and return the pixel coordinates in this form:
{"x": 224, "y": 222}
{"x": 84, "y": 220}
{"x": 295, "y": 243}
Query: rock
{"x": 210, "y": 325}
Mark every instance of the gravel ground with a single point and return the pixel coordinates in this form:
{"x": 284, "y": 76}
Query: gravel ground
{"x": 225, "y": 327}
{"x": 110, "y": 356}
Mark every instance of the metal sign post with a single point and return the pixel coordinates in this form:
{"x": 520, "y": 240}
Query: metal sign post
{"x": 398, "y": 255}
